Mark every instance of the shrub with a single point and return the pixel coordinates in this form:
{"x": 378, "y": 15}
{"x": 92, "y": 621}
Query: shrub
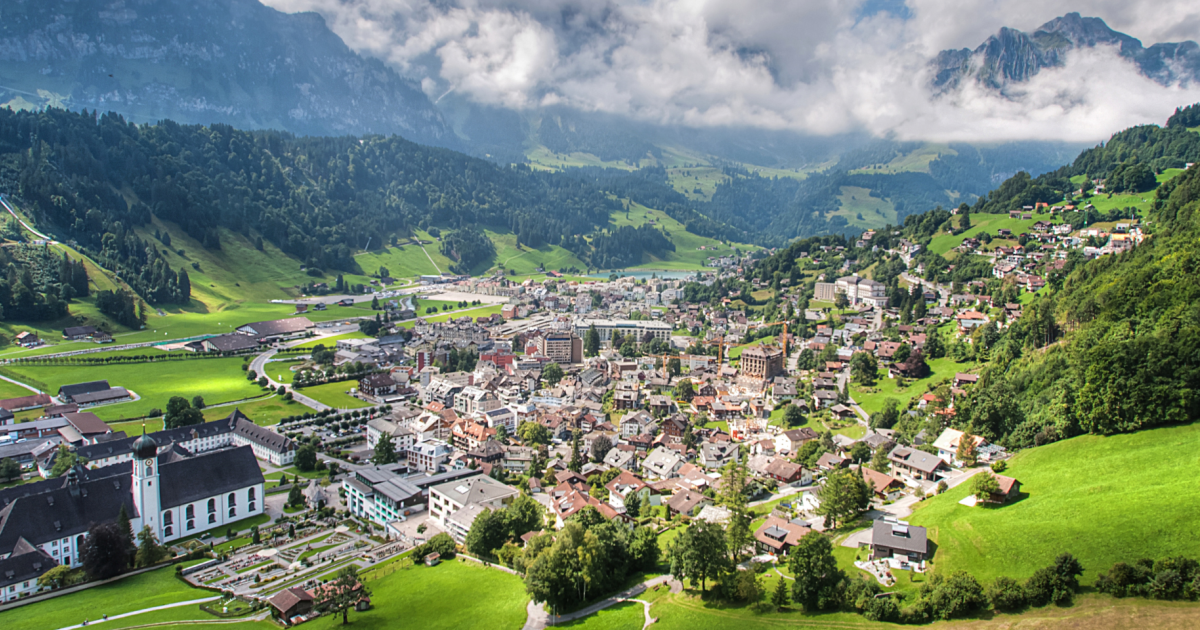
{"x": 999, "y": 466}
{"x": 1006, "y": 594}
{"x": 882, "y": 609}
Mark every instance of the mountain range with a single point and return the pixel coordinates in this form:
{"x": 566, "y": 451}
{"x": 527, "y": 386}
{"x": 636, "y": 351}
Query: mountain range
{"x": 240, "y": 63}
{"x": 1013, "y": 56}
{"x": 235, "y": 62}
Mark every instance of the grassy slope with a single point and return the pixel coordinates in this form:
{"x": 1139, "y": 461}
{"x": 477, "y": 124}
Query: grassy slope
{"x": 217, "y": 380}
{"x": 939, "y": 370}
{"x": 687, "y": 255}
{"x": 913, "y": 162}
{"x": 154, "y": 588}
{"x": 524, "y": 259}
{"x": 1104, "y": 499}
{"x": 857, "y": 201}
{"x": 943, "y": 242}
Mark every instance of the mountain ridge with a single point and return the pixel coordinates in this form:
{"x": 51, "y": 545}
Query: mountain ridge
{"x": 237, "y": 62}
{"x": 1013, "y": 56}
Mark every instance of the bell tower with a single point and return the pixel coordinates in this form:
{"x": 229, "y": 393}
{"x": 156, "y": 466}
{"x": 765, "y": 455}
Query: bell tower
{"x": 145, "y": 482}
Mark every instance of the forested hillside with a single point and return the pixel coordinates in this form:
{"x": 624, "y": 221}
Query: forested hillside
{"x": 1117, "y": 349}
{"x": 93, "y": 178}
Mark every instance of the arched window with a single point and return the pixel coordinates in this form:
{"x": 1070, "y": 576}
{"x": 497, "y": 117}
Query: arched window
{"x": 168, "y": 518}
{"x": 232, "y": 512}
{"x": 250, "y": 495}
{"x": 189, "y": 512}
{"x": 251, "y": 508}
{"x": 232, "y": 499}
{"x": 79, "y": 542}
{"x": 167, "y": 531}
{"x": 212, "y": 519}
{"x": 212, "y": 506}
{"x": 191, "y": 524}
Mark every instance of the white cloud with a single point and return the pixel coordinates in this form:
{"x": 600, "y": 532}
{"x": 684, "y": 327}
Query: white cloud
{"x": 814, "y": 66}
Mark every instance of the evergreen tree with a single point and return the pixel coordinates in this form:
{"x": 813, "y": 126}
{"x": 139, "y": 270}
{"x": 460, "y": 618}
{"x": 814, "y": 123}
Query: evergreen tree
{"x": 591, "y": 341}
{"x": 779, "y": 599}
{"x": 149, "y": 551}
{"x": 576, "y": 463}
{"x": 385, "y": 451}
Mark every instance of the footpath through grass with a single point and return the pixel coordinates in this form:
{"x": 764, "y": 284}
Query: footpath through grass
{"x": 153, "y": 588}
{"x": 1104, "y": 499}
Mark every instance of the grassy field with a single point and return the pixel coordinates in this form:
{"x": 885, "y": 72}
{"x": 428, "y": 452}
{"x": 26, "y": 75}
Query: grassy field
{"x": 217, "y": 380}
{"x": 736, "y": 351}
{"x": 624, "y": 616}
{"x": 403, "y": 260}
{"x": 862, "y": 210}
{"x": 423, "y": 598}
{"x": 687, "y": 255}
{"x": 331, "y": 342}
{"x": 264, "y": 412}
{"x": 1104, "y": 499}
{"x": 334, "y": 395}
{"x": 1090, "y": 612}
{"x": 481, "y": 311}
{"x": 939, "y": 371}
{"x": 525, "y": 260}
{"x": 990, "y": 223}
{"x": 154, "y": 588}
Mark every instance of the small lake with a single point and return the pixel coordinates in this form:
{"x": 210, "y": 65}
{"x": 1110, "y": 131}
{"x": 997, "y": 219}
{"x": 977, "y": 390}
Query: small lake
{"x": 647, "y": 274}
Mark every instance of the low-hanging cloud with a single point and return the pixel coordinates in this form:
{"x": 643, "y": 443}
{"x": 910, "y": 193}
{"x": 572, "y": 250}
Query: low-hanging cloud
{"x": 814, "y": 66}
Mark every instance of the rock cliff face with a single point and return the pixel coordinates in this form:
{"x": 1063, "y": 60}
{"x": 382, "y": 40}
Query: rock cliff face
{"x": 217, "y": 61}
{"x": 1012, "y": 56}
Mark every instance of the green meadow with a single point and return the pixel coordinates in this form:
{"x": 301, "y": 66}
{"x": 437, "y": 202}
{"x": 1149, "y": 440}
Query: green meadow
{"x": 1105, "y": 499}
{"x": 217, "y": 380}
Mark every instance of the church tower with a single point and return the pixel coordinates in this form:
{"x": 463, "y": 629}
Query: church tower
{"x": 145, "y": 482}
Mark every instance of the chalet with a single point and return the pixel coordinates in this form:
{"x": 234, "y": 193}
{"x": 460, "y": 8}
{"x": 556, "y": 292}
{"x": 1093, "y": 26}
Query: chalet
{"x": 842, "y": 412}
{"x": 1010, "y": 489}
{"x": 917, "y": 464}
{"x": 291, "y": 603}
{"x": 687, "y": 502}
{"x": 962, "y": 378}
{"x": 829, "y": 461}
{"x": 28, "y": 339}
{"x": 776, "y": 536}
{"x": 78, "y": 333}
{"x": 784, "y": 471}
{"x": 898, "y": 540}
{"x": 947, "y": 445}
{"x": 886, "y": 487}
{"x": 377, "y": 385}
{"x": 791, "y": 441}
